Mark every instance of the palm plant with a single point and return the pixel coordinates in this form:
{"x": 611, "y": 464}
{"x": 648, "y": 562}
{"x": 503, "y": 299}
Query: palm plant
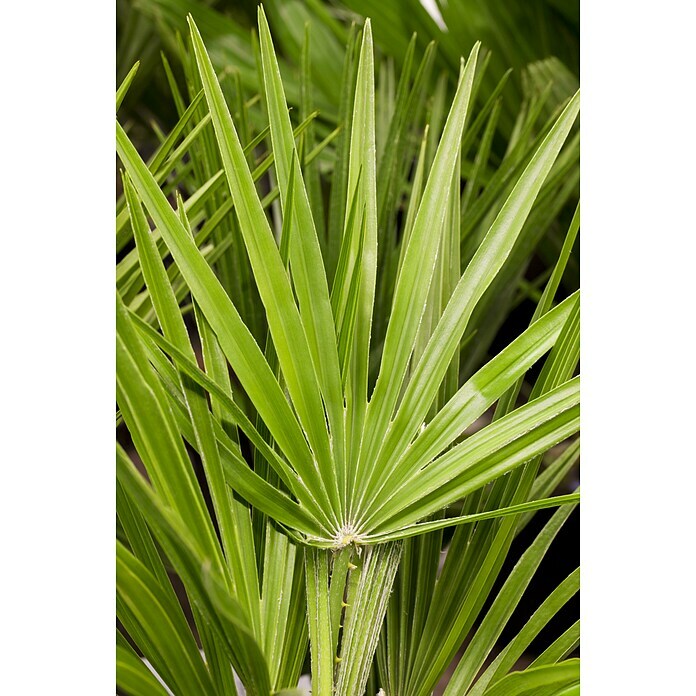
{"x": 300, "y": 472}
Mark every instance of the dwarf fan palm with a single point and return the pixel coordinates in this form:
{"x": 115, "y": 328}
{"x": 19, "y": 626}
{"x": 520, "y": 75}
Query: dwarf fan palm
{"x": 329, "y": 460}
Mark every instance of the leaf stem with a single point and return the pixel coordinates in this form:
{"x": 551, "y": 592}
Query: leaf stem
{"x": 364, "y": 616}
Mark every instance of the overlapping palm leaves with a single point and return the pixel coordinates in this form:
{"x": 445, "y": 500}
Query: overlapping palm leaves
{"x": 352, "y": 454}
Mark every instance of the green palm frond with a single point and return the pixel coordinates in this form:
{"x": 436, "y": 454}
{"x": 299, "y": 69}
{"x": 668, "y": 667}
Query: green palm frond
{"x": 303, "y": 463}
